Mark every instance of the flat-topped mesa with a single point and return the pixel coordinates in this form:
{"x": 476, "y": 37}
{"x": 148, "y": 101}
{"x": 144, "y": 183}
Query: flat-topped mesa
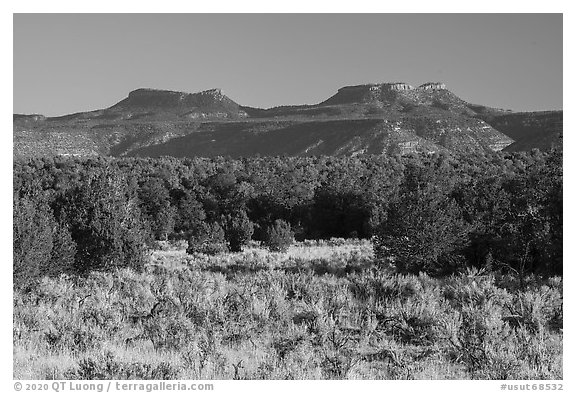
{"x": 149, "y": 93}
{"x": 151, "y": 98}
{"x": 146, "y": 92}
{"x": 396, "y": 86}
{"x": 366, "y": 93}
{"x": 166, "y": 104}
{"x": 432, "y": 86}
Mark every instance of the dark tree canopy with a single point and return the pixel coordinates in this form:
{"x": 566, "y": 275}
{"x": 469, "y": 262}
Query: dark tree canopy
{"x": 436, "y": 213}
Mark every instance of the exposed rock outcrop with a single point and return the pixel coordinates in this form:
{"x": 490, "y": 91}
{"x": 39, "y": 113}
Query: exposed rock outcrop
{"x": 214, "y": 93}
{"x": 396, "y": 86}
{"x": 432, "y": 86}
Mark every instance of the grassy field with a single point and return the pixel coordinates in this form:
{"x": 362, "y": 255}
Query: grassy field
{"x": 319, "y": 311}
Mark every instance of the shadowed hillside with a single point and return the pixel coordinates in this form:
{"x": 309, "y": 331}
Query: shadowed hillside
{"x": 385, "y": 118}
{"x": 530, "y": 130}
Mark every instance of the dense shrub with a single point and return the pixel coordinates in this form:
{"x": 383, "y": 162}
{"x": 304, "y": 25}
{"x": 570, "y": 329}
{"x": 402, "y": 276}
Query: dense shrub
{"x": 41, "y": 245}
{"x": 156, "y": 208}
{"x": 33, "y": 238}
{"x": 238, "y": 230}
{"x": 207, "y": 239}
{"x": 279, "y": 236}
{"x": 63, "y": 252}
{"x": 424, "y": 230}
{"x": 105, "y": 223}
{"x": 531, "y": 232}
{"x": 190, "y": 214}
{"x": 337, "y": 213}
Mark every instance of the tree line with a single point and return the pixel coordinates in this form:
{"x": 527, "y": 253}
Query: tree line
{"x": 433, "y": 213}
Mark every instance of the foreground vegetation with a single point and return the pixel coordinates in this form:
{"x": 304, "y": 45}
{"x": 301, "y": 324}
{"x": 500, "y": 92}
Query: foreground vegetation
{"x": 321, "y": 310}
{"x": 451, "y": 269}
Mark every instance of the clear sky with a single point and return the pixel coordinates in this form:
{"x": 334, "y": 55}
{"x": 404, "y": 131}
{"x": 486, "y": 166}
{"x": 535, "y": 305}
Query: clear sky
{"x": 65, "y": 63}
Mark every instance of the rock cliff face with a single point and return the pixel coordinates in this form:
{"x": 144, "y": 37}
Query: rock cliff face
{"x": 382, "y": 92}
{"x": 432, "y": 86}
{"x": 379, "y": 118}
{"x": 397, "y": 86}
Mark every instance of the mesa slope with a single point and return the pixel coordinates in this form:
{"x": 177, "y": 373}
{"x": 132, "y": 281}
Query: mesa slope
{"x": 385, "y": 118}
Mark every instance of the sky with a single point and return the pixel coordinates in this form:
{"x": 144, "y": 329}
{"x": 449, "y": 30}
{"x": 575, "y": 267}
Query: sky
{"x": 67, "y": 63}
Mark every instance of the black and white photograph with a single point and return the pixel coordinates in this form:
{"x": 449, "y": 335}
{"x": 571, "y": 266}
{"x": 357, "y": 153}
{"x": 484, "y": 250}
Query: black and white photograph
{"x": 287, "y": 196}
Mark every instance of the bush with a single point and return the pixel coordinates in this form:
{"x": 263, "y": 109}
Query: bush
{"x": 424, "y": 229}
{"x": 423, "y": 237}
{"x": 156, "y": 208}
{"x": 207, "y": 239}
{"x": 105, "y": 223}
{"x": 41, "y": 245}
{"x": 279, "y": 236}
{"x": 63, "y": 252}
{"x": 238, "y": 230}
{"x": 33, "y": 230}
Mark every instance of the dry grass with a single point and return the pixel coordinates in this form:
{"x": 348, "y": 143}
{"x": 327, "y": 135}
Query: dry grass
{"x": 319, "y": 311}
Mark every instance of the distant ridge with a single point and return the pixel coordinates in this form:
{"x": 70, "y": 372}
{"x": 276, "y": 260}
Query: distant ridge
{"x": 374, "y": 118}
